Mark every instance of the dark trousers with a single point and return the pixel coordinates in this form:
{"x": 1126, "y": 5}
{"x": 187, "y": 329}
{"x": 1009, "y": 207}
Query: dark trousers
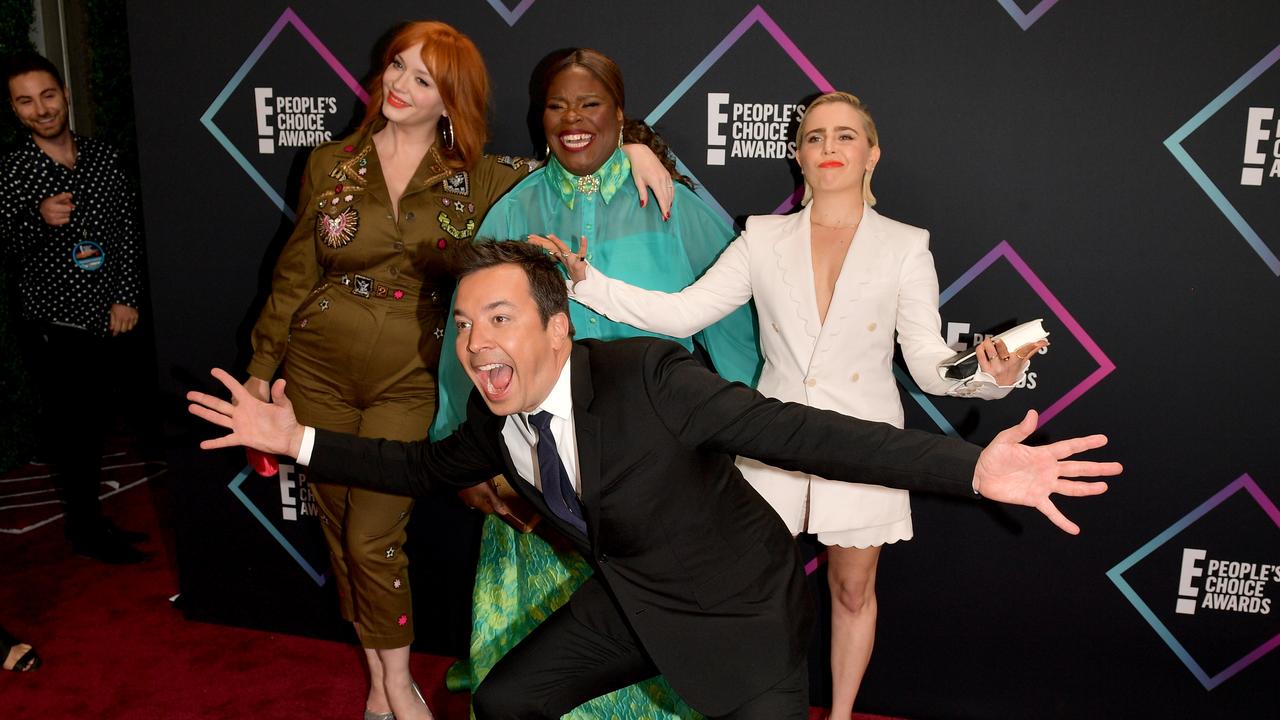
{"x": 570, "y": 659}
{"x": 73, "y": 377}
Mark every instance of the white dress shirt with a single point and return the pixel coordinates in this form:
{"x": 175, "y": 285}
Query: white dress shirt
{"x": 522, "y": 438}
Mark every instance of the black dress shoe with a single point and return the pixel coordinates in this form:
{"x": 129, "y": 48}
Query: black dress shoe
{"x": 107, "y": 549}
{"x": 130, "y": 537}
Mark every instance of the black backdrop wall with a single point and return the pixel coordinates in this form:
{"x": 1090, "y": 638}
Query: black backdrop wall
{"x": 1111, "y": 167}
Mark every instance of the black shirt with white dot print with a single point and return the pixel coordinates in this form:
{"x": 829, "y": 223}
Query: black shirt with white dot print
{"x": 72, "y": 274}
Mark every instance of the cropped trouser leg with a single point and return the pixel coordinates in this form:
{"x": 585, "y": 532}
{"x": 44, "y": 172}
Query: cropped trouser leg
{"x": 350, "y": 370}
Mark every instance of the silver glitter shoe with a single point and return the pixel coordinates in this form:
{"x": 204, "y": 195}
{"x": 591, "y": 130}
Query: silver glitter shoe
{"x": 371, "y": 715}
{"x": 421, "y": 699}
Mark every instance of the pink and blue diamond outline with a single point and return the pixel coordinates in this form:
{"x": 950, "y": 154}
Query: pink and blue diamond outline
{"x": 756, "y": 15}
{"x": 1116, "y": 574}
{"x": 288, "y": 17}
{"x": 1174, "y": 144}
{"x": 511, "y": 15}
{"x": 316, "y": 576}
{"x": 1026, "y": 19}
{"x": 1006, "y": 251}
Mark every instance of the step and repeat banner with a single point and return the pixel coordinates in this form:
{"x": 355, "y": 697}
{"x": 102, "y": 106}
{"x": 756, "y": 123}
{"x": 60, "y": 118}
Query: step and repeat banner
{"x": 1112, "y": 168}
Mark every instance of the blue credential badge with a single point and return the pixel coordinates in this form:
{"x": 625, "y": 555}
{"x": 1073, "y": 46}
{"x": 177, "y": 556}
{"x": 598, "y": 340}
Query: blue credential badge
{"x": 88, "y": 255}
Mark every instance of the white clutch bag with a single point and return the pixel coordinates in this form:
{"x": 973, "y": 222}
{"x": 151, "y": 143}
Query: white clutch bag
{"x": 964, "y": 365}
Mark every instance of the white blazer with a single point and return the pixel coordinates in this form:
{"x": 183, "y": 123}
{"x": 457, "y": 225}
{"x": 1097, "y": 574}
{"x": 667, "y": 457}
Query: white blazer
{"x": 887, "y": 283}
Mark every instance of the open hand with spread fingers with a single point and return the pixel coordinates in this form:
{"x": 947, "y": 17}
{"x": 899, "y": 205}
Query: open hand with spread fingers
{"x": 270, "y": 427}
{"x": 1018, "y": 474}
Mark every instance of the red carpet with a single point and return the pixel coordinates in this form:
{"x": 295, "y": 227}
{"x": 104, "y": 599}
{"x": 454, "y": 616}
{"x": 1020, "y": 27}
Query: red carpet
{"x": 115, "y": 647}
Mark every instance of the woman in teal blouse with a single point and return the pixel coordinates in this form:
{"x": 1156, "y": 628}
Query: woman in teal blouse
{"x": 584, "y": 191}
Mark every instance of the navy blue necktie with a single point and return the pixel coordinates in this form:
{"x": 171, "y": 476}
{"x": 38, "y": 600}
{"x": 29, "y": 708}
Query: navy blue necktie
{"x": 556, "y": 488}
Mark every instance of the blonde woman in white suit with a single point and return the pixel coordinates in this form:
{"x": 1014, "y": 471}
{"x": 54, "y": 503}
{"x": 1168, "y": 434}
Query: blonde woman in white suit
{"x": 832, "y": 284}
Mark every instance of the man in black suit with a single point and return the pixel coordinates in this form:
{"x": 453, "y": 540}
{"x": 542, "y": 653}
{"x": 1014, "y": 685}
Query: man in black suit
{"x": 627, "y": 448}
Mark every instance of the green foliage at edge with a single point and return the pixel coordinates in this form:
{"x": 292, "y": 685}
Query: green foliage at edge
{"x": 16, "y": 401}
{"x": 16, "y": 17}
{"x": 110, "y": 82}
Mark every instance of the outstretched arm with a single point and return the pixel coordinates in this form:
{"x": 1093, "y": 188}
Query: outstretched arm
{"x": 1017, "y": 474}
{"x": 703, "y": 410}
{"x": 269, "y": 427}
{"x": 405, "y": 468}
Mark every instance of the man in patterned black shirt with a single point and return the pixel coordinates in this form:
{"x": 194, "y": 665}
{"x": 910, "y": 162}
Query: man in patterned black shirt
{"x": 71, "y": 228}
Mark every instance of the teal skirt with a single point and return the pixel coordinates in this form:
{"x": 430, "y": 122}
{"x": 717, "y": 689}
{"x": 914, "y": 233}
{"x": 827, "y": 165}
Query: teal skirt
{"x": 520, "y": 581}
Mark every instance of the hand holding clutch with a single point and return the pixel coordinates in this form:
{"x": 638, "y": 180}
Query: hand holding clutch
{"x": 964, "y": 365}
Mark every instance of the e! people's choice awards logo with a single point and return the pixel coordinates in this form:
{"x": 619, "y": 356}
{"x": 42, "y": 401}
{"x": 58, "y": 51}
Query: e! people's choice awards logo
{"x": 1261, "y": 146}
{"x": 286, "y": 507}
{"x": 289, "y": 94}
{"x": 1245, "y": 186}
{"x": 1209, "y": 584}
{"x": 1230, "y": 585}
{"x": 750, "y": 130}
{"x": 292, "y": 122}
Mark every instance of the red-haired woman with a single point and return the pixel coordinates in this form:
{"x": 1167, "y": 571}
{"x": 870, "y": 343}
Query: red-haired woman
{"x": 358, "y": 305}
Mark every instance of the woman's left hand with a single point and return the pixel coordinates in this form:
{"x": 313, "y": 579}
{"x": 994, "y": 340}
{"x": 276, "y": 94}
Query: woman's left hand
{"x": 576, "y": 265}
{"x": 1006, "y": 367}
{"x": 648, "y": 174}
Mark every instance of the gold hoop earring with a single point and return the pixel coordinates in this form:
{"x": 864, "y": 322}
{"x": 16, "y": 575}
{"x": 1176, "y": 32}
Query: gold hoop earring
{"x": 446, "y": 132}
{"x": 619, "y": 136}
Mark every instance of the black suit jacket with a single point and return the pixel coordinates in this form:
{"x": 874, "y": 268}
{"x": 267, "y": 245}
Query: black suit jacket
{"x": 696, "y": 561}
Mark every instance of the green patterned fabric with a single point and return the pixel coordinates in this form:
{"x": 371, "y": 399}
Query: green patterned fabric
{"x": 615, "y": 171}
{"x": 520, "y": 580}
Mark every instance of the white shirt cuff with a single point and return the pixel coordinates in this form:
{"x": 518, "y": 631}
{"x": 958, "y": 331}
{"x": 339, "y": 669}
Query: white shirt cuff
{"x": 308, "y": 444}
{"x": 592, "y": 274}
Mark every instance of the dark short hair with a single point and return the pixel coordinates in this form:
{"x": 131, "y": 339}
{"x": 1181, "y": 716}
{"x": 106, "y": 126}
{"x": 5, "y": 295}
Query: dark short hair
{"x": 546, "y": 284}
{"x": 27, "y": 61}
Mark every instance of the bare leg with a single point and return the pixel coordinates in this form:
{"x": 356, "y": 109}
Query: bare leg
{"x": 377, "y": 700}
{"x": 397, "y": 684}
{"x": 851, "y": 573}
